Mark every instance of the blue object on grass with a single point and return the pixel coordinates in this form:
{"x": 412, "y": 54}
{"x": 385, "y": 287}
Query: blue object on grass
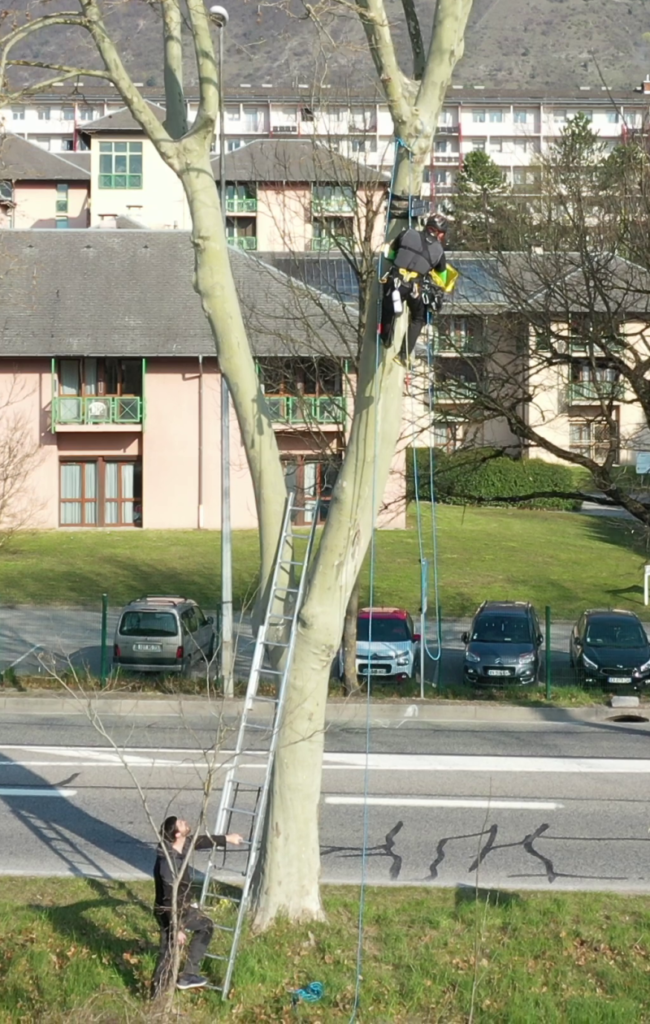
{"x": 309, "y": 994}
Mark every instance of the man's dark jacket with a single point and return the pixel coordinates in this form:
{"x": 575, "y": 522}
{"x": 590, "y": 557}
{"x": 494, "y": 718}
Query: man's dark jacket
{"x": 166, "y": 871}
{"x": 419, "y": 251}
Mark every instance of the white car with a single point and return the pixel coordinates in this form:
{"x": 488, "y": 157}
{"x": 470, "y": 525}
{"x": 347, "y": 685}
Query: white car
{"x": 387, "y": 642}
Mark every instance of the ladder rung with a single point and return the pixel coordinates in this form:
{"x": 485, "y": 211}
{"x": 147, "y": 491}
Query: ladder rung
{"x": 222, "y": 927}
{"x": 278, "y": 615}
{"x": 286, "y": 590}
{"x": 215, "y": 956}
{"x": 275, "y": 643}
{"x": 272, "y": 671}
{"x": 237, "y": 810}
{"x": 251, "y": 725}
{"x": 228, "y": 899}
{"x": 264, "y": 700}
{"x": 248, "y": 785}
{"x": 291, "y": 561}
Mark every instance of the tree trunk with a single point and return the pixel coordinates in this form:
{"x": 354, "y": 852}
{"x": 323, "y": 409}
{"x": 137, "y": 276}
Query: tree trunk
{"x": 350, "y": 680}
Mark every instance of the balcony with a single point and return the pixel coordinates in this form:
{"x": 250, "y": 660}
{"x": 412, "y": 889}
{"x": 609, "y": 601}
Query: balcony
{"x": 332, "y": 205}
{"x": 326, "y": 410}
{"x": 587, "y": 392}
{"x": 455, "y": 391}
{"x": 248, "y": 242}
{"x": 240, "y": 204}
{"x": 327, "y": 243}
{"x": 458, "y": 345}
{"x": 72, "y": 411}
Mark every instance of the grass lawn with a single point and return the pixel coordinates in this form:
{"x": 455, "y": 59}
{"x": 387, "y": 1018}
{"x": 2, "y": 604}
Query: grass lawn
{"x": 81, "y": 950}
{"x": 568, "y": 561}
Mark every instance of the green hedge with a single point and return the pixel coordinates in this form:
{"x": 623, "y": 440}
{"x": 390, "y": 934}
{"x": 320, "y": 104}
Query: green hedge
{"x": 478, "y": 477}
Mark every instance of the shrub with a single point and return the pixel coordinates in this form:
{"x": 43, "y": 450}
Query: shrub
{"x": 481, "y": 476}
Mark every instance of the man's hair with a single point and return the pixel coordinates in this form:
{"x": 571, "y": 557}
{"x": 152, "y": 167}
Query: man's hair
{"x": 168, "y": 829}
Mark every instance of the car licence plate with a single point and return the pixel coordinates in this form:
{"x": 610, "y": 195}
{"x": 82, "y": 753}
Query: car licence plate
{"x": 498, "y": 672}
{"x": 147, "y": 647}
{"x": 619, "y": 679}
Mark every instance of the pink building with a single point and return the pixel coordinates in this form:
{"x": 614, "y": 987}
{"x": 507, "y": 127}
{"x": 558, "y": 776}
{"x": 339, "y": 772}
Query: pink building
{"x": 108, "y": 378}
{"x": 40, "y": 189}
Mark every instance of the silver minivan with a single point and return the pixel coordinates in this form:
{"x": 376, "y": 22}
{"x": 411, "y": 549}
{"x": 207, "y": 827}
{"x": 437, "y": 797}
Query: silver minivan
{"x": 162, "y": 633}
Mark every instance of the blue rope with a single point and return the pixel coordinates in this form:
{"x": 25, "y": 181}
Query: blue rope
{"x": 311, "y": 993}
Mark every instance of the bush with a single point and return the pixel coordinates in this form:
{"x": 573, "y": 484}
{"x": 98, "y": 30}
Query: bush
{"x": 479, "y": 477}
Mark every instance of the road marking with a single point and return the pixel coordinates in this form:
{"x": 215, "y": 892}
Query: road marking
{"x": 97, "y": 757}
{"x": 416, "y": 801}
{"x": 21, "y": 791}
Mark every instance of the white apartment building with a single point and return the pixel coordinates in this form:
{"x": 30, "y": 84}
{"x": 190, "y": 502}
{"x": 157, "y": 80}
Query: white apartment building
{"x": 513, "y": 126}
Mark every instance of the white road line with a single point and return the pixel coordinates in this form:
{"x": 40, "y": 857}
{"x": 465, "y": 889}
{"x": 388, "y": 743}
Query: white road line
{"x": 20, "y": 791}
{"x": 415, "y": 801}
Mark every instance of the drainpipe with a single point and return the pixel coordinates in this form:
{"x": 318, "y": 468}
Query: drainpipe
{"x": 200, "y": 495}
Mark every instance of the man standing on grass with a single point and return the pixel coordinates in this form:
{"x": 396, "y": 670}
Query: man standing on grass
{"x": 174, "y": 835}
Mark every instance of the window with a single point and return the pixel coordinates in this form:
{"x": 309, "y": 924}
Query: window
{"x": 67, "y": 113}
{"x": 233, "y": 144}
{"x": 364, "y": 145}
{"x": 593, "y": 439}
{"x": 525, "y": 176}
{"x": 120, "y": 165}
{"x": 524, "y": 145}
{"x": 441, "y": 147}
{"x": 86, "y": 113}
{"x": 61, "y": 198}
{"x": 559, "y": 116}
{"x": 253, "y": 119}
{"x": 100, "y": 492}
{"x": 62, "y": 223}
{"x": 18, "y": 113}
{"x": 478, "y": 116}
{"x": 78, "y": 380}
{"x": 66, "y": 145}
{"x": 442, "y": 177}
{"x": 477, "y": 145}
{"x": 445, "y": 119}
{"x": 521, "y": 117}
{"x": 43, "y": 113}
{"x": 496, "y": 117}
{"x": 448, "y": 435}
{"x": 311, "y": 480}
{"x": 588, "y": 114}
{"x": 6, "y": 192}
{"x": 232, "y": 115}
{"x": 613, "y": 117}
{"x": 496, "y": 146}
{"x": 316, "y": 377}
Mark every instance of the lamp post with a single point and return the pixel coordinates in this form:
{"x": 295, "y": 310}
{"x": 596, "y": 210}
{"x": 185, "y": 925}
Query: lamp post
{"x": 219, "y": 17}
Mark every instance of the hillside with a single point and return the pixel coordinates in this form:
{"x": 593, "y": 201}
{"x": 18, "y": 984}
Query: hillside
{"x": 531, "y": 44}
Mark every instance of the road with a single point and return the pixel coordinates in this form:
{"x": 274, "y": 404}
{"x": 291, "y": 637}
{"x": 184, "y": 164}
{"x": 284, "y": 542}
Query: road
{"x": 542, "y": 805}
{"x": 35, "y": 640}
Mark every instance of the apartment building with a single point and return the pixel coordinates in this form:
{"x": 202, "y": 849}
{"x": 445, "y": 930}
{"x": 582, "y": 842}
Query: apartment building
{"x": 40, "y": 189}
{"x": 109, "y": 381}
{"x": 513, "y": 125}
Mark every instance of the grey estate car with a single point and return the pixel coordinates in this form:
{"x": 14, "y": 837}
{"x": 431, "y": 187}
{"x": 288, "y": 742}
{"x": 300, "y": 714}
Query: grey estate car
{"x": 163, "y": 634}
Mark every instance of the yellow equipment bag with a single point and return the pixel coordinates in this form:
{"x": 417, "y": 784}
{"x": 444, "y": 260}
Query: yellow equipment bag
{"x": 446, "y": 281}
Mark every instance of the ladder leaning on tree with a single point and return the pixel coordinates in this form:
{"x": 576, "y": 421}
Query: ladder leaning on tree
{"x": 243, "y": 801}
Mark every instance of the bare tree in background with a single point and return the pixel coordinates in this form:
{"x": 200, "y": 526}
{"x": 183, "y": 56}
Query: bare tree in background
{"x": 288, "y": 883}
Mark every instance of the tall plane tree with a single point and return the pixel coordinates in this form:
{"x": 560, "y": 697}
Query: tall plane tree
{"x": 289, "y": 876}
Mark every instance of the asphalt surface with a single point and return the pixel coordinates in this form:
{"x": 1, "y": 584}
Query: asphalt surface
{"x": 549, "y": 805}
{"x": 39, "y": 641}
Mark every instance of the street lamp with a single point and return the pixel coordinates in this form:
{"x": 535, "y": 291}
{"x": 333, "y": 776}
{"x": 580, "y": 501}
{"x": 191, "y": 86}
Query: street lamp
{"x": 219, "y": 17}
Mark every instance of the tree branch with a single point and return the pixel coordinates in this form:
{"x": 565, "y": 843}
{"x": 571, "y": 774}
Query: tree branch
{"x": 447, "y": 47}
{"x": 176, "y": 119}
{"x": 415, "y": 35}
{"x": 207, "y": 68}
{"x": 382, "y": 50}
{"x": 47, "y": 21}
{"x": 66, "y": 74}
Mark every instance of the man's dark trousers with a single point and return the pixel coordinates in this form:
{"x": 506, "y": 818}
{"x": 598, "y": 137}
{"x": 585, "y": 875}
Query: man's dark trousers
{"x": 192, "y": 920}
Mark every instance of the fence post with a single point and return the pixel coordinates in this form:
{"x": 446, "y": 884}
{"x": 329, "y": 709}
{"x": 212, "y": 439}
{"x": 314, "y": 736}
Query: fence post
{"x": 439, "y": 681}
{"x": 102, "y": 668}
{"x": 548, "y": 652}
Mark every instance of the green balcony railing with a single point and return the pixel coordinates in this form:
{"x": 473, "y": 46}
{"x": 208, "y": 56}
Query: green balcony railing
{"x": 595, "y": 391}
{"x": 326, "y": 243}
{"x": 333, "y": 204}
{"x": 247, "y": 242}
{"x": 239, "y": 204}
{"x": 455, "y": 391}
{"x": 88, "y": 410}
{"x": 327, "y": 409}
{"x": 456, "y": 345}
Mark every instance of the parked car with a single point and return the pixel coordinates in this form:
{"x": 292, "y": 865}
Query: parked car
{"x": 610, "y": 648}
{"x": 503, "y": 645}
{"x": 163, "y": 634}
{"x": 387, "y": 642}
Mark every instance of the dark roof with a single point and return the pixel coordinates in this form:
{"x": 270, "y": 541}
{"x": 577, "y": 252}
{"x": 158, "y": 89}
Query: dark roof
{"x": 112, "y": 292}
{"x": 121, "y": 121}
{"x": 21, "y": 160}
{"x": 489, "y": 284}
{"x": 80, "y": 158}
{"x": 295, "y": 160}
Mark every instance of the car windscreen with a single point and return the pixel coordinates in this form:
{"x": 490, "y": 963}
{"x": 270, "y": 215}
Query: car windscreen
{"x": 501, "y": 629}
{"x": 148, "y": 624}
{"x": 603, "y": 633}
{"x": 383, "y": 630}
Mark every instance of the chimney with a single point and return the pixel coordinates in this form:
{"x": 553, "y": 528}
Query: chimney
{"x": 645, "y": 86}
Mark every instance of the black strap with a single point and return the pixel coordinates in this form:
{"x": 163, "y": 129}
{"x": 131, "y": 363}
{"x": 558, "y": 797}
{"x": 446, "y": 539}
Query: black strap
{"x": 398, "y": 208}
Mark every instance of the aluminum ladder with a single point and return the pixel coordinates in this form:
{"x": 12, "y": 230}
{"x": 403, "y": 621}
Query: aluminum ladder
{"x": 243, "y": 801}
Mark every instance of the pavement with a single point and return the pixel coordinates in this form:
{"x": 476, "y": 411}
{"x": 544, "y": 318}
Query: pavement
{"x": 454, "y": 801}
